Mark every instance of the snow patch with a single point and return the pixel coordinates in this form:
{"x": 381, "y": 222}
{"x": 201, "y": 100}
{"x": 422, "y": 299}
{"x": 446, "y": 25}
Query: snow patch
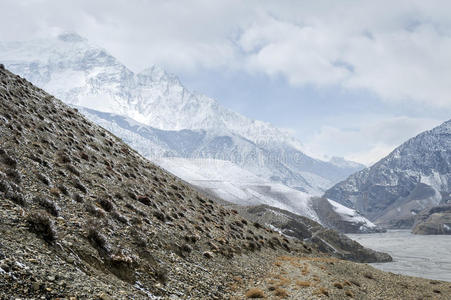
{"x": 351, "y": 215}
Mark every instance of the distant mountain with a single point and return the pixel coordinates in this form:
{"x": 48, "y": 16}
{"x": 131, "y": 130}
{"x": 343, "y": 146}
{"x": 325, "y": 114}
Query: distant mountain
{"x": 414, "y": 177}
{"x": 192, "y": 155}
{"x": 82, "y": 74}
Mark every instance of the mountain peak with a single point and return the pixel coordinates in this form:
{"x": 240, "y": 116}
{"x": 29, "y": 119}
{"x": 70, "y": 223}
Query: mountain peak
{"x": 157, "y": 73}
{"x": 71, "y": 37}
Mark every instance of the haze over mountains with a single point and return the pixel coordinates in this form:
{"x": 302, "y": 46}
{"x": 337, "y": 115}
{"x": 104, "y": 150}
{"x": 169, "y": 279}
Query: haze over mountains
{"x": 248, "y": 162}
{"x": 85, "y": 75}
{"x": 154, "y": 113}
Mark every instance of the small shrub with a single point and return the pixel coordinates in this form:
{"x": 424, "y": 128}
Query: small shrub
{"x": 84, "y": 156}
{"x": 78, "y": 185}
{"x": 8, "y": 160}
{"x": 349, "y": 293}
{"x": 144, "y": 200}
{"x": 280, "y": 292}
{"x": 106, "y": 204}
{"x": 303, "y": 283}
{"x": 96, "y": 238}
{"x": 14, "y": 175}
{"x": 321, "y": 291}
{"x": 95, "y": 211}
{"x": 63, "y": 190}
{"x": 159, "y": 215}
{"x": 160, "y": 273}
{"x": 50, "y": 206}
{"x": 43, "y": 179}
{"x": 55, "y": 192}
{"x": 64, "y": 158}
{"x": 338, "y": 285}
{"x": 17, "y": 198}
{"x": 4, "y": 186}
{"x": 73, "y": 169}
{"x": 77, "y": 197}
{"x": 40, "y": 223}
{"x": 355, "y": 282}
{"x": 187, "y": 248}
{"x": 255, "y": 293}
{"x": 257, "y": 225}
{"x": 117, "y": 216}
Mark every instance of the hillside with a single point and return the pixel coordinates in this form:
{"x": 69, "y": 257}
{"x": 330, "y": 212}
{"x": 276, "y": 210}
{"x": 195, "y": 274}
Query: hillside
{"x": 414, "y": 177}
{"x": 85, "y": 216}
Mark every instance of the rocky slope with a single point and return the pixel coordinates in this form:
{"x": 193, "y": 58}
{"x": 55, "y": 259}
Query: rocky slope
{"x": 415, "y": 176}
{"x": 343, "y": 219}
{"x": 82, "y": 74}
{"x": 299, "y": 227}
{"x": 435, "y": 220}
{"x": 84, "y": 216}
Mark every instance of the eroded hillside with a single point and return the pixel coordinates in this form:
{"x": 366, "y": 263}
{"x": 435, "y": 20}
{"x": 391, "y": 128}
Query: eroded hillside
{"x": 82, "y": 214}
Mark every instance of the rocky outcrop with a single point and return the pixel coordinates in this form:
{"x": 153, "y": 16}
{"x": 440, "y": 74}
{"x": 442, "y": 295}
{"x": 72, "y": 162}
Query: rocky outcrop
{"x": 415, "y": 176}
{"x": 345, "y": 220}
{"x": 309, "y": 231}
{"x": 436, "y": 220}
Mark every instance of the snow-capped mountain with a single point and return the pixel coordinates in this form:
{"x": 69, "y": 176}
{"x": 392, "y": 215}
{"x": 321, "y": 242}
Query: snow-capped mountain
{"x": 85, "y": 75}
{"x": 292, "y": 169}
{"x": 415, "y": 176}
{"x": 231, "y": 183}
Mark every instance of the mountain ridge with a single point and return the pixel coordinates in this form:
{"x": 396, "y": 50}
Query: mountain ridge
{"x": 414, "y": 176}
{"x": 85, "y": 75}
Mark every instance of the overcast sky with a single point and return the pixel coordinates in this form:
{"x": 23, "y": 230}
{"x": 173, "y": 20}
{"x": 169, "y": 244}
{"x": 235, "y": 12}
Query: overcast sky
{"x": 348, "y": 78}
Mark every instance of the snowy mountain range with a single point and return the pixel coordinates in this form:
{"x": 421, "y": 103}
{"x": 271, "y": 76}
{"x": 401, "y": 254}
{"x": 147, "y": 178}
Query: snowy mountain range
{"x": 231, "y": 157}
{"x": 163, "y": 117}
{"x": 414, "y": 177}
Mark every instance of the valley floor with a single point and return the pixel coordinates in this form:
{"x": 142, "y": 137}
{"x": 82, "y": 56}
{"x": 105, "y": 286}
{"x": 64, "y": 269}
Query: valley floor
{"x": 292, "y": 277}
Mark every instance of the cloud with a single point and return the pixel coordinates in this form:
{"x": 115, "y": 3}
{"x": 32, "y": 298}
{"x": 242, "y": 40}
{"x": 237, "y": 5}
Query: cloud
{"x": 369, "y": 141}
{"x": 398, "y": 50}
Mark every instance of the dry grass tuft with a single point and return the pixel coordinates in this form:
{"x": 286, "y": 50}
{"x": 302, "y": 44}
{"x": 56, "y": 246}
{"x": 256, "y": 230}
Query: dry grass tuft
{"x": 283, "y": 281}
{"x": 338, "y": 285}
{"x": 321, "y": 291}
{"x": 303, "y": 283}
{"x": 280, "y": 292}
{"x": 255, "y": 293}
{"x": 349, "y": 293}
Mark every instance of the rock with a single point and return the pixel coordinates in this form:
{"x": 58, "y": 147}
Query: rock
{"x": 331, "y": 219}
{"x": 299, "y": 227}
{"x": 435, "y": 220}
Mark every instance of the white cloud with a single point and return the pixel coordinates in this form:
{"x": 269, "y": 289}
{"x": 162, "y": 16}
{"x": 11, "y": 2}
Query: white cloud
{"x": 396, "y": 49}
{"x": 370, "y": 141}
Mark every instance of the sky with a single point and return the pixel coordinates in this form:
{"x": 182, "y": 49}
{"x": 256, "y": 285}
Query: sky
{"x": 348, "y": 78}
